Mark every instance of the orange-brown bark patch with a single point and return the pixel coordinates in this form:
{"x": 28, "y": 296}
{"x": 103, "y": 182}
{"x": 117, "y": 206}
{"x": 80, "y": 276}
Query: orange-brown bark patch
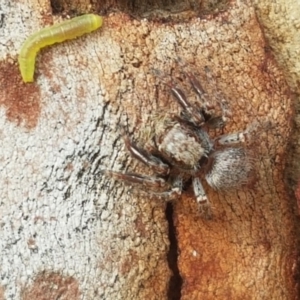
{"x": 21, "y": 100}
{"x": 51, "y": 285}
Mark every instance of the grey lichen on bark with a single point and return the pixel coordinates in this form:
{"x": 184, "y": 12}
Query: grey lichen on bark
{"x": 65, "y": 225}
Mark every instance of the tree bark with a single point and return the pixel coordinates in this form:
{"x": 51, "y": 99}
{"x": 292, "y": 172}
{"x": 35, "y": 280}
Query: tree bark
{"x": 69, "y": 232}
{"x": 282, "y": 32}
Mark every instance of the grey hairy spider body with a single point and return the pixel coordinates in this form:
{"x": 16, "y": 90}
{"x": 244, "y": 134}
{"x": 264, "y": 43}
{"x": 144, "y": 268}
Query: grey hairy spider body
{"x": 183, "y": 150}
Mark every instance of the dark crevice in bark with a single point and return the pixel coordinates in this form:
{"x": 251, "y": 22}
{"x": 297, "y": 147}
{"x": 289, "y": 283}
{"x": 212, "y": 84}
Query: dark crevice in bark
{"x": 160, "y": 8}
{"x": 153, "y": 9}
{"x": 175, "y": 284}
{"x": 57, "y": 6}
{"x": 292, "y": 180}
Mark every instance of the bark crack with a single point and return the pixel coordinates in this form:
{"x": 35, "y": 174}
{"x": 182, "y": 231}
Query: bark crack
{"x": 175, "y": 284}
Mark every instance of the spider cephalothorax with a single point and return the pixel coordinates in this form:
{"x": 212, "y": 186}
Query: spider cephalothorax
{"x": 182, "y": 150}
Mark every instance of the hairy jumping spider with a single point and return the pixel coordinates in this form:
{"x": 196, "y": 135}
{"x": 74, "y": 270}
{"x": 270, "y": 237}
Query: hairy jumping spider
{"x": 183, "y": 151}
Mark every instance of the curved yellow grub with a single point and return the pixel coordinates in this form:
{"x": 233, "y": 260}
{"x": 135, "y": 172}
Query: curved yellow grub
{"x": 57, "y": 33}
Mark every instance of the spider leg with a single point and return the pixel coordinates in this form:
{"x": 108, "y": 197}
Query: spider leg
{"x": 232, "y": 138}
{"x": 211, "y": 122}
{"x": 175, "y": 190}
{"x": 195, "y": 114}
{"x": 199, "y": 91}
{"x": 197, "y": 87}
{"x": 236, "y": 137}
{"x": 156, "y": 164}
{"x": 201, "y": 198}
{"x": 154, "y": 185}
{"x": 219, "y": 121}
{"x": 199, "y": 192}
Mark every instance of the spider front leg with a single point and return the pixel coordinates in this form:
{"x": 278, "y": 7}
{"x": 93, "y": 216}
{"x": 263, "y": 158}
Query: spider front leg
{"x": 200, "y": 91}
{"x": 195, "y": 115}
{"x": 219, "y": 121}
{"x": 211, "y": 122}
{"x": 197, "y": 87}
{"x": 153, "y": 185}
{"x": 156, "y": 164}
{"x": 190, "y": 112}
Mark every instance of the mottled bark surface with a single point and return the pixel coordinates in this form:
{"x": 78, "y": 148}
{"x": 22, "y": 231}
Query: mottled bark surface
{"x": 281, "y": 26}
{"x": 68, "y": 232}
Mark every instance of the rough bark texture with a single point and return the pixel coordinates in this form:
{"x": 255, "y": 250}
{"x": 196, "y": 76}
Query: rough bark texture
{"x": 70, "y": 233}
{"x": 281, "y": 25}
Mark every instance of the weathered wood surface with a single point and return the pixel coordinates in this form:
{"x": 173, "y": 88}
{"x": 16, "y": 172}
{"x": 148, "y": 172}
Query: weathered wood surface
{"x": 281, "y": 26}
{"x": 67, "y": 231}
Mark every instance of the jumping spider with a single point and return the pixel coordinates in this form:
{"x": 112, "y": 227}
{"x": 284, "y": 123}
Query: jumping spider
{"x": 183, "y": 151}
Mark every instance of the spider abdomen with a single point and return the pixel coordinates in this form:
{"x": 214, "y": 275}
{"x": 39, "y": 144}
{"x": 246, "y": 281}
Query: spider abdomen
{"x": 230, "y": 168}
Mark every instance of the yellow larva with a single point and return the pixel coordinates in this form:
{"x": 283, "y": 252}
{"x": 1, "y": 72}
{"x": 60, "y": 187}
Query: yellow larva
{"x": 58, "y": 33}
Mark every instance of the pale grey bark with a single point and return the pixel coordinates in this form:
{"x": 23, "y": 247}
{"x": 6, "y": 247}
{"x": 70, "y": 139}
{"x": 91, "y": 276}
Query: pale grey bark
{"x": 59, "y": 219}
